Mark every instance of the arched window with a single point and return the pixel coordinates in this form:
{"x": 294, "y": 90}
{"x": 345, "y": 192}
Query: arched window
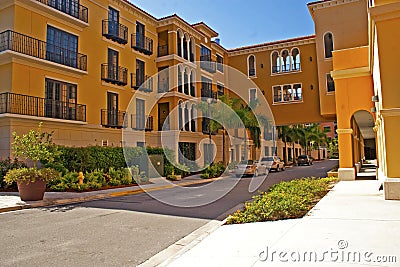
{"x": 180, "y": 118}
{"x": 328, "y": 44}
{"x": 285, "y": 61}
{"x": 179, "y": 37}
{"x": 275, "y": 66}
{"x": 186, "y": 81}
{"x": 180, "y": 82}
{"x": 186, "y": 118}
{"x": 192, "y": 117}
{"x": 186, "y": 46}
{"x": 192, "y": 49}
{"x": 193, "y": 83}
{"x": 252, "y": 65}
{"x": 295, "y": 59}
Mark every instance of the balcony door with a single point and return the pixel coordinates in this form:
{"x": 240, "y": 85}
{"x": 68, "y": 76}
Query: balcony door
{"x": 163, "y": 118}
{"x": 60, "y": 100}
{"x": 140, "y": 117}
{"x": 113, "y": 21}
{"x": 139, "y": 72}
{"x": 113, "y": 64}
{"x": 140, "y": 34}
{"x": 112, "y": 109}
{"x": 61, "y": 47}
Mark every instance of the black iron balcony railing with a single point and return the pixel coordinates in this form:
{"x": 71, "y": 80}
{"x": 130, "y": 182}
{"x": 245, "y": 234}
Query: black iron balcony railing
{"x": 207, "y": 64}
{"x": 112, "y": 118}
{"x": 276, "y": 69}
{"x": 40, "y": 107}
{"x": 295, "y": 66}
{"x": 162, "y": 50}
{"x": 114, "y": 74}
{"x": 72, "y": 8}
{"x": 252, "y": 72}
{"x": 142, "y": 82}
{"x": 20, "y": 43}
{"x": 163, "y": 85}
{"x": 142, "y": 44}
{"x": 142, "y": 122}
{"x": 115, "y": 31}
{"x": 285, "y": 68}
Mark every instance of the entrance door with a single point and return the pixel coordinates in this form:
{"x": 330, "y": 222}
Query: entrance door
{"x": 163, "y": 112}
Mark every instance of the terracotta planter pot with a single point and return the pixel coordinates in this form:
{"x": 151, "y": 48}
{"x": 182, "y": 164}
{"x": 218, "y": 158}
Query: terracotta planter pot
{"x": 31, "y": 191}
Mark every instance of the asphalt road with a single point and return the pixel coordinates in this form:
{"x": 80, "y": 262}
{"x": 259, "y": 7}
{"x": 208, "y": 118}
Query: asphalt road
{"x": 123, "y": 231}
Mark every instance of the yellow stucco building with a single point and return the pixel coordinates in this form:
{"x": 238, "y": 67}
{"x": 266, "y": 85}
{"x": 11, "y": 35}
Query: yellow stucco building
{"x": 77, "y": 66}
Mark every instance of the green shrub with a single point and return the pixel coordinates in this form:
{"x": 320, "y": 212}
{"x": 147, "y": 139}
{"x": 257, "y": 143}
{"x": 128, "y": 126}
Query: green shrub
{"x": 8, "y": 164}
{"x": 285, "y": 200}
{"x": 214, "y": 170}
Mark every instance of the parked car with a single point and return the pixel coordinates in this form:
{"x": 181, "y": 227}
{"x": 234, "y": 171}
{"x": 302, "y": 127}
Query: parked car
{"x": 304, "y": 160}
{"x": 246, "y": 167}
{"x": 271, "y": 163}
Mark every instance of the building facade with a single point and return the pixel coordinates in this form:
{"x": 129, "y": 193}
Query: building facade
{"x": 92, "y": 70}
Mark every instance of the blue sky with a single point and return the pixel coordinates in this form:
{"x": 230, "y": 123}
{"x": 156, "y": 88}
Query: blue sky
{"x": 240, "y": 22}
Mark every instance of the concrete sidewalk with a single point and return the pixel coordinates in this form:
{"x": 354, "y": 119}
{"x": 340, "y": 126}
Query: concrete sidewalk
{"x": 351, "y": 226}
{"x": 10, "y": 201}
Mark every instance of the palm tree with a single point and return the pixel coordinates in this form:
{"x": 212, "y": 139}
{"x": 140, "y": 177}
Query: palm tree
{"x": 296, "y": 134}
{"x": 284, "y": 134}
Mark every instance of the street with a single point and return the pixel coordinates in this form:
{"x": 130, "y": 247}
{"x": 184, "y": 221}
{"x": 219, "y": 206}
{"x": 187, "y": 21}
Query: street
{"x": 120, "y": 231}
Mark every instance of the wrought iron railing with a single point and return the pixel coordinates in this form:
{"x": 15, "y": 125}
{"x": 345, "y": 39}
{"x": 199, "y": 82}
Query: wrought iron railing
{"x": 114, "y": 74}
{"x": 115, "y": 31}
{"x": 252, "y": 72}
{"x": 20, "y": 43}
{"x": 142, "y": 44}
{"x": 162, "y": 50}
{"x": 112, "y": 118}
{"x": 72, "y": 8}
{"x": 40, "y": 107}
{"x": 142, "y": 82}
{"x": 142, "y": 122}
{"x": 163, "y": 85}
{"x": 207, "y": 64}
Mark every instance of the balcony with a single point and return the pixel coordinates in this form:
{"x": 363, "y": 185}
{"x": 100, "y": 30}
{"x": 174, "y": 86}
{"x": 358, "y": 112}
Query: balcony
{"x": 72, "y": 8}
{"x": 40, "y": 107}
{"x": 115, "y": 31}
{"x": 207, "y": 64}
{"x": 141, "y": 123}
{"x": 142, "y": 44}
{"x": 142, "y": 82}
{"x": 162, "y": 50}
{"x": 20, "y": 43}
{"x": 114, "y": 74}
{"x": 163, "y": 85}
{"x": 112, "y": 118}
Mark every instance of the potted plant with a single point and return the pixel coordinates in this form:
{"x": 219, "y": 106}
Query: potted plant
{"x": 35, "y": 146}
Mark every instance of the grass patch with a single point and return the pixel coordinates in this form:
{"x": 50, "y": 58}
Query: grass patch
{"x": 286, "y": 200}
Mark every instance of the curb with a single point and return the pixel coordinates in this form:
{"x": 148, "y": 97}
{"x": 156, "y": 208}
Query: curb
{"x": 65, "y": 201}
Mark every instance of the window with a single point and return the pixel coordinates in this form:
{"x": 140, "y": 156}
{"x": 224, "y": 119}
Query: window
{"x": 206, "y": 87}
{"x": 140, "y": 77}
{"x": 220, "y": 63}
{"x": 140, "y": 35}
{"x": 140, "y": 116}
{"x": 330, "y": 83}
{"x": 252, "y": 94}
{"x": 60, "y": 100}
{"x": 113, "y": 63}
{"x": 180, "y": 117}
{"x": 251, "y": 66}
{"x": 277, "y": 94}
{"x": 205, "y": 53}
{"x": 266, "y": 151}
{"x": 295, "y": 59}
{"x": 328, "y": 44}
{"x": 208, "y": 154}
{"x": 327, "y": 129}
{"x": 285, "y": 61}
{"x": 268, "y": 132}
{"x": 297, "y": 92}
{"x": 275, "y": 64}
{"x": 220, "y": 89}
{"x": 112, "y": 109}
{"x": 61, "y": 47}
{"x": 288, "y": 93}
{"x": 113, "y": 21}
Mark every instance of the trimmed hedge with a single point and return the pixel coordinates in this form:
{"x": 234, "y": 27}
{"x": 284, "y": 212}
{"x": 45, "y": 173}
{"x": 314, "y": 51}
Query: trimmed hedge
{"x": 286, "y": 200}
